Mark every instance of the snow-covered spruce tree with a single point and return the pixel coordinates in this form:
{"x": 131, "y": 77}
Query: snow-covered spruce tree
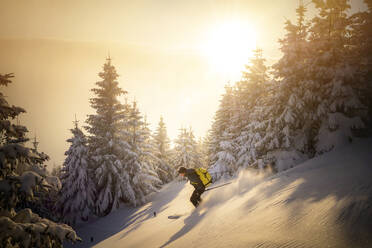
{"x": 20, "y": 227}
{"x": 250, "y": 91}
{"x": 203, "y": 151}
{"x": 43, "y": 157}
{"x": 162, "y": 151}
{"x": 106, "y": 149}
{"x": 261, "y": 128}
{"x": 45, "y": 205}
{"x": 196, "y": 156}
{"x": 56, "y": 171}
{"x": 181, "y": 150}
{"x": 367, "y": 51}
{"x": 185, "y": 150}
{"x": 335, "y": 80}
{"x": 151, "y": 181}
{"x": 287, "y": 140}
{"x": 147, "y": 145}
{"x": 76, "y": 198}
{"x": 361, "y": 45}
{"x": 226, "y": 162}
{"x": 142, "y": 177}
{"x": 222, "y": 145}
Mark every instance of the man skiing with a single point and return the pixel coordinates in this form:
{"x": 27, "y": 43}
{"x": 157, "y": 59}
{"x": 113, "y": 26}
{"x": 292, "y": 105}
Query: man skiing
{"x": 199, "y": 178}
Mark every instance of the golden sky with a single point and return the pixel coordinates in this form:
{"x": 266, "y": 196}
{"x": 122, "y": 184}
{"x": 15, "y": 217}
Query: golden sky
{"x": 174, "y": 57}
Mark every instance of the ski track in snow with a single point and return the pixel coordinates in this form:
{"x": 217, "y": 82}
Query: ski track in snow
{"x": 324, "y": 202}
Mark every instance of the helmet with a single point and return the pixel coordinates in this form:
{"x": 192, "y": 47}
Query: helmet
{"x": 181, "y": 170}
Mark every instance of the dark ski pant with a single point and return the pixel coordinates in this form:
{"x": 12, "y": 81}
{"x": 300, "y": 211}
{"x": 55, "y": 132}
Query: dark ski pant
{"x": 195, "y": 197}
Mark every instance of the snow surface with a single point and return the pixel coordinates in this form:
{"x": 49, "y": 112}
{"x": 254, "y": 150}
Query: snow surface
{"x": 324, "y": 202}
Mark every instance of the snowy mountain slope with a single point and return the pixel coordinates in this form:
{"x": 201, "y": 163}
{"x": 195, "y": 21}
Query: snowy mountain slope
{"x": 325, "y": 202}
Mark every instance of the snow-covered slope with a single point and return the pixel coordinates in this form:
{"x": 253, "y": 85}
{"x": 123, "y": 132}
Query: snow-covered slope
{"x": 325, "y": 202}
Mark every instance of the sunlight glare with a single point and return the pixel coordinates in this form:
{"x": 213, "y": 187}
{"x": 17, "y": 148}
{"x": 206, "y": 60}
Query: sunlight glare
{"x": 186, "y": 104}
{"x": 228, "y": 47}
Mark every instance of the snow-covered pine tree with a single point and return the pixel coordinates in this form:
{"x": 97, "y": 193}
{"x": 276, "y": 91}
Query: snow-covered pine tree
{"x": 106, "y": 149}
{"x": 251, "y": 90}
{"x": 147, "y": 146}
{"x": 361, "y": 45}
{"x": 226, "y": 161}
{"x": 336, "y": 79}
{"x": 46, "y": 199}
{"x": 261, "y": 129}
{"x": 367, "y": 51}
{"x": 132, "y": 165}
{"x": 181, "y": 150}
{"x": 196, "y": 155}
{"x": 138, "y": 168}
{"x": 203, "y": 151}
{"x": 19, "y": 226}
{"x": 291, "y": 123}
{"x": 43, "y": 157}
{"x": 37, "y": 163}
{"x": 45, "y": 205}
{"x": 148, "y": 160}
{"x": 162, "y": 151}
{"x": 77, "y": 195}
{"x": 255, "y": 71}
{"x": 56, "y": 171}
{"x": 185, "y": 150}
{"x": 222, "y": 120}
{"x": 222, "y": 146}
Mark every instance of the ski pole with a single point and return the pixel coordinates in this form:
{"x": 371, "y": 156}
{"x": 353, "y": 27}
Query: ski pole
{"x": 218, "y": 186}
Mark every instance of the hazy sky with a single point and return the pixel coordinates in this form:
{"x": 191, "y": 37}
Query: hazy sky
{"x": 174, "y": 57}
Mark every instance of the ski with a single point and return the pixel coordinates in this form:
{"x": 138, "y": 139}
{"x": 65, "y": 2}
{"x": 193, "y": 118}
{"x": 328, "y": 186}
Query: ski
{"x": 174, "y": 217}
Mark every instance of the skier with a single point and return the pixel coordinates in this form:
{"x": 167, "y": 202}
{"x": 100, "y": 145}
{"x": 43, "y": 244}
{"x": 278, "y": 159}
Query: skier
{"x": 199, "y": 178}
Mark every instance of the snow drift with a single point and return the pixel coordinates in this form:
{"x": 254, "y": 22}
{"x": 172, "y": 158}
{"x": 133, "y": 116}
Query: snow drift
{"x": 324, "y": 202}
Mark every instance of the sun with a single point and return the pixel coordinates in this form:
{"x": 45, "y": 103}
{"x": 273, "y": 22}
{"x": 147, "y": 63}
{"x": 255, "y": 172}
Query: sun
{"x": 185, "y": 105}
{"x": 228, "y": 47}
